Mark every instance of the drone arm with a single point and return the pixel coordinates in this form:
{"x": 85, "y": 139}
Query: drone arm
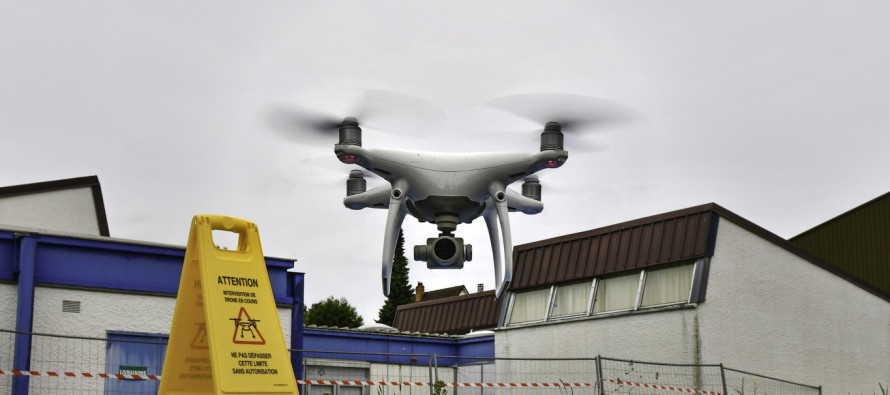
{"x": 498, "y": 193}
{"x": 377, "y": 197}
{"x": 394, "y": 218}
{"x": 518, "y": 202}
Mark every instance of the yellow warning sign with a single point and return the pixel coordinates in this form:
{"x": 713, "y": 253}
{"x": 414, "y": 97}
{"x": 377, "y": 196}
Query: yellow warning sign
{"x": 226, "y": 337}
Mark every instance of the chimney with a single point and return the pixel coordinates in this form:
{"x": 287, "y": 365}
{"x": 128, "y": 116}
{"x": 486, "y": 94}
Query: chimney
{"x": 480, "y": 287}
{"x": 418, "y": 292}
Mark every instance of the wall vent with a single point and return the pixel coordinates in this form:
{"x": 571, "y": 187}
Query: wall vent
{"x": 71, "y": 306}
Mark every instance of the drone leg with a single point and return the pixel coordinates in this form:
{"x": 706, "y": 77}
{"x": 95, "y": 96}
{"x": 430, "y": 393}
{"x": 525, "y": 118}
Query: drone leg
{"x": 499, "y": 195}
{"x": 394, "y": 219}
{"x": 491, "y": 222}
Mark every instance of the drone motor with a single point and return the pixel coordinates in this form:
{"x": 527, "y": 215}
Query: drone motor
{"x": 552, "y": 137}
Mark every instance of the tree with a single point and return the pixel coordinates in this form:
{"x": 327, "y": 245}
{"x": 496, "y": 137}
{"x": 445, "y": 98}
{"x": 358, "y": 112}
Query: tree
{"x": 400, "y": 290}
{"x": 333, "y": 312}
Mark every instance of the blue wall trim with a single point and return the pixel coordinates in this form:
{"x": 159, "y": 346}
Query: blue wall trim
{"x": 387, "y": 345}
{"x": 118, "y": 265}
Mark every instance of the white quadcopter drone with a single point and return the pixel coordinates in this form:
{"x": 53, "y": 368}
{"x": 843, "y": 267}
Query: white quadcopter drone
{"x": 448, "y": 189}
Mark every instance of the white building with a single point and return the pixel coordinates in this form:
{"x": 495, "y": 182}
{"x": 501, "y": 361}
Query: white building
{"x": 700, "y": 285}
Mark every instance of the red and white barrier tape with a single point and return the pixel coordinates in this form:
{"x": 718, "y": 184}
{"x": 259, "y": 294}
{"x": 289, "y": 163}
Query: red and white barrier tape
{"x": 663, "y": 387}
{"x": 87, "y": 375}
{"x": 422, "y": 384}
{"x": 355, "y": 382}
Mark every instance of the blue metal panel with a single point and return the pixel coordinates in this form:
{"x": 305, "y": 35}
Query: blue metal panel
{"x": 482, "y": 347}
{"x": 134, "y": 350}
{"x": 7, "y": 256}
{"x": 374, "y": 344}
{"x": 125, "y": 266}
{"x": 91, "y": 264}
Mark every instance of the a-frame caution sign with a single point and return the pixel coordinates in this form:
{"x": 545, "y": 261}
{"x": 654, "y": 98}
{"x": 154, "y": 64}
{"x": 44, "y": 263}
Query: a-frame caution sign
{"x": 222, "y": 291}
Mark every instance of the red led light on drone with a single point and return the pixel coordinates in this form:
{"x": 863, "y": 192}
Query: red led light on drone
{"x": 551, "y": 164}
{"x": 349, "y": 159}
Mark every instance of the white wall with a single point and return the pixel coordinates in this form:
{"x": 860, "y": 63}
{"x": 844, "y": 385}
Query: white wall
{"x": 769, "y": 311}
{"x": 8, "y": 298}
{"x": 656, "y": 336}
{"x": 69, "y": 210}
{"x": 109, "y": 311}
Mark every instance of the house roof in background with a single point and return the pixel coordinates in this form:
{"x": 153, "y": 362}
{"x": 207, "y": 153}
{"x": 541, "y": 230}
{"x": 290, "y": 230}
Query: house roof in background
{"x": 456, "y": 290}
{"x": 453, "y": 315}
{"x": 91, "y": 182}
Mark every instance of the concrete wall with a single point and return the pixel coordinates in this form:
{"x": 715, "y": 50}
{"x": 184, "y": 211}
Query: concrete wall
{"x": 769, "y": 311}
{"x": 8, "y": 297}
{"x": 109, "y": 311}
{"x": 69, "y": 210}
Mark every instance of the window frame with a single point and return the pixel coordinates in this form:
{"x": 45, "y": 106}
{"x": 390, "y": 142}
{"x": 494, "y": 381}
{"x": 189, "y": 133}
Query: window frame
{"x": 698, "y": 284}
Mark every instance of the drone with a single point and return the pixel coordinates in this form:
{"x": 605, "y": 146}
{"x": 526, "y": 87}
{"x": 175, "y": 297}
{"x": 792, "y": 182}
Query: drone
{"x": 448, "y": 189}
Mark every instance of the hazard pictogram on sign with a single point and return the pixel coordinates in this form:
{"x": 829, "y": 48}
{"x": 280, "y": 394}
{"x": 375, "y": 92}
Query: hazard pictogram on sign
{"x": 200, "y": 340}
{"x": 246, "y": 330}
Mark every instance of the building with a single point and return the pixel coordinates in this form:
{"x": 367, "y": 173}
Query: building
{"x": 73, "y": 299}
{"x": 70, "y": 206}
{"x": 694, "y": 286}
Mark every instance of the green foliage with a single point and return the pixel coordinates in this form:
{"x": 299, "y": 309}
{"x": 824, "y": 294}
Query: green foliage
{"x": 333, "y": 312}
{"x": 439, "y": 388}
{"x": 400, "y": 290}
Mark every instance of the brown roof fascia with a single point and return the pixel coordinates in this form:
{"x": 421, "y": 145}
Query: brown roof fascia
{"x": 616, "y": 227}
{"x": 91, "y": 182}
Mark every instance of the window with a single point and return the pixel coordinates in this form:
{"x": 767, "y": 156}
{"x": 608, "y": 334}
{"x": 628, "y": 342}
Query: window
{"x": 671, "y": 285}
{"x": 530, "y": 306}
{"x": 571, "y": 299}
{"x": 664, "y": 286}
{"x": 332, "y": 369}
{"x": 134, "y": 353}
{"x": 616, "y": 293}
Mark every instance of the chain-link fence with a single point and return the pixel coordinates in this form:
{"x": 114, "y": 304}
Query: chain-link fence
{"x": 127, "y": 363}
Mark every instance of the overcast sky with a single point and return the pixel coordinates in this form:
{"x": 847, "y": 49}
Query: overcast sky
{"x": 776, "y": 110}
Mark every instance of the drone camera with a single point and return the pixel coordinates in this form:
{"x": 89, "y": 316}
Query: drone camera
{"x": 444, "y": 252}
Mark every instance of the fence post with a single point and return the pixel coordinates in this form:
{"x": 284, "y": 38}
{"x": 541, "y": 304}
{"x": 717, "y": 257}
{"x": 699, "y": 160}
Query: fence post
{"x": 599, "y": 374}
{"x": 723, "y": 379}
{"x": 434, "y": 369}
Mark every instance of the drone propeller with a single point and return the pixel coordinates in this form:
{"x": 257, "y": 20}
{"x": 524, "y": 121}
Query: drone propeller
{"x": 574, "y": 113}
{"x": 376, "y": 108}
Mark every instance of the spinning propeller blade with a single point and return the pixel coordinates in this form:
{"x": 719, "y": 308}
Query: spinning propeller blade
{"x": 377, "y": 109}
{"x": 575, "y": 113}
